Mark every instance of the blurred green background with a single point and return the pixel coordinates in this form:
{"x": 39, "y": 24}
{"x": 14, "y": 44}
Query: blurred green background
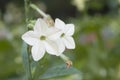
{"x": 97, "y": 37}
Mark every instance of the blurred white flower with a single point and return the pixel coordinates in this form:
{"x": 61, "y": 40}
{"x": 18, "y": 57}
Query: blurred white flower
{"x": 65, "y": 39}
{"x": 80, "y": 4}
{"x": 119, "y": 1}
{"x": 41, "y": 40}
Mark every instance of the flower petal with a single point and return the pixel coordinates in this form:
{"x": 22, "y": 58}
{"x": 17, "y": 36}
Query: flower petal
{"x": 40, "y": 25}
{"x": 59, "y": 24}
{"x": 51, "y": 47}
{"x": 69, "y": 29}
{"x": 38, "y": 51}
{"x": 61, "y": 46}
{"x": 69, "y": 42}
{"x": 37, "y": 26}
{"x": 30, "y": 37}
{"x": 54, "y": 33}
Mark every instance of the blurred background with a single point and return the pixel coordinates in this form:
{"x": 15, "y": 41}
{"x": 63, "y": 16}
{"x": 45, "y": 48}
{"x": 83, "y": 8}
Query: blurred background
{"x": 97, "y": 36}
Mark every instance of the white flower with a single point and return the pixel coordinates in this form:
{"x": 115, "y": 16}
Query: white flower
{"x": 40, "y": 38}
{"x": 65, "y": 39}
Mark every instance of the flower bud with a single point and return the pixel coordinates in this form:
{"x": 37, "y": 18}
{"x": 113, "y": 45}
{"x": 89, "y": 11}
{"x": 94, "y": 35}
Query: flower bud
{"x": 67, "y": 60}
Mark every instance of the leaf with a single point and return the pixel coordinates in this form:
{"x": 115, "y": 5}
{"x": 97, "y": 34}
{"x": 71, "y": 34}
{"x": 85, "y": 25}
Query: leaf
{"x": 57, "y": 71}
{"x": 41, "y": 67}
{"x": 26, "y": 62}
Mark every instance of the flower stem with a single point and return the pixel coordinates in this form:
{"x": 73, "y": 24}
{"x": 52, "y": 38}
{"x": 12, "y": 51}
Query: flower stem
{"x": 45, "y": 16}
{"x": 66, "y": 59}
{"x": 27, "y": 2}
{"x": 38, "y": 10}
{"x": 27, "y": 6}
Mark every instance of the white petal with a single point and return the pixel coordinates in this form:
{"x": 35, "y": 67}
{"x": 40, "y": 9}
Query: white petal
{"x": 51, "y": 47}
{"x": 69, "y": 42}
{"x": 30, "y": 37}
{"x": 59, "y": 24}
{"x": 38, "y": 51}
{"x": 40, "y": 25}
{"x": 54, "y": 33}
{"x": 61, "y": 46}
{"x": 69, "y": 29}
{"x": 37, "y": 26}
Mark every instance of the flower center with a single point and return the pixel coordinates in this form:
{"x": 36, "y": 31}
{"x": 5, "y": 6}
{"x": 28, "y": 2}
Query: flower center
{"x": 62, "y": 35}
{"x": 42, "y": 37}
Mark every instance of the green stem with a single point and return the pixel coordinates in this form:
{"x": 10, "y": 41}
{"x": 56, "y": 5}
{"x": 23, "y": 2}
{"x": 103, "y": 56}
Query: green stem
{"x": 27, "y": 3}
{"x": 65, "y": 58}
{"x": 47, "y": 17}
{"x": 38, "y": 10}
{"x": 29, "y": 75}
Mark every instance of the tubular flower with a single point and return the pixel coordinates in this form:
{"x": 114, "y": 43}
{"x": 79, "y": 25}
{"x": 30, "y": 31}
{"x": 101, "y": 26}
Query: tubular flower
{"x": 66, "y": 32}
{"x": 41, "y": 38}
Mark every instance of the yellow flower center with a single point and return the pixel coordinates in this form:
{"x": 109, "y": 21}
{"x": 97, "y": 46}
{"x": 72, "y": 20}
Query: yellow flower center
{"x": 62, "y": 35}
{"x": 42, "y": 37}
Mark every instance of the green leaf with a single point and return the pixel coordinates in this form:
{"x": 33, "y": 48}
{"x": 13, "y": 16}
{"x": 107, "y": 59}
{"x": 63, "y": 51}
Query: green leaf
{"x": 57, "y": 71}
{"x": 41, "y": 67}
{"x": 26, "y": 62}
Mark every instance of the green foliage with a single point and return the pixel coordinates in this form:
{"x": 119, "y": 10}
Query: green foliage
{"x": 96, "y": 56}
{"x": 59, "y": 70}
{"x": 26, "y": 61}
